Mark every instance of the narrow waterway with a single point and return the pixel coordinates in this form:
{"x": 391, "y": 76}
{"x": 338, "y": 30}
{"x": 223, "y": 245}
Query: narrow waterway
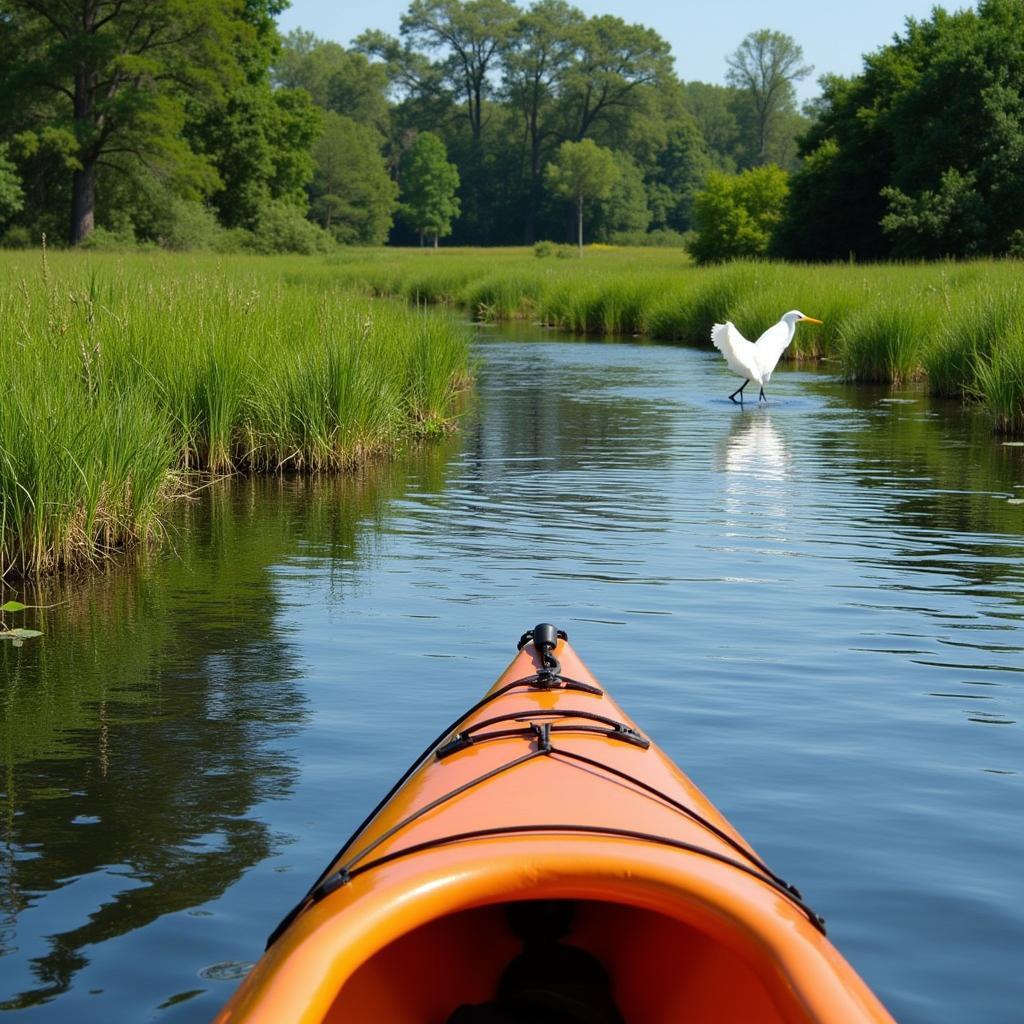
{"x": 817, "y": 608}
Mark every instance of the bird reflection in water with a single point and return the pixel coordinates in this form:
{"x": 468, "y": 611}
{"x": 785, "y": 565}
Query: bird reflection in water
{"x": 758, "y": 468}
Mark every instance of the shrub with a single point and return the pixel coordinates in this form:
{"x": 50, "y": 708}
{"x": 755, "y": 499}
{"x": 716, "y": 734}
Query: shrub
{"x": 192, "y": 226}
{"x": 658, "y": 238}
{"x": 283, "y": 228}
{"x": 17, "y": 237}
{"x": 563, "y": 252}
{"x": 110, "y": 239}
{"x": 736, "y": 215}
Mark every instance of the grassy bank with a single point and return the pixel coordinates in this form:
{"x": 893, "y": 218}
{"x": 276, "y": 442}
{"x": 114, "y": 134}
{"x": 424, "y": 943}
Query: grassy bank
{"x": 121, "y": 375}
{"x": 959, "y": 327}
{"x": 124, "y": 375}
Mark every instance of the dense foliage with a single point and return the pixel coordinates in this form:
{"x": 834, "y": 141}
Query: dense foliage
{"x": 192, "y": 123}
{"x": 429, "y": 184}
{"x": 922, "y": 154}
{"x": 736, "y": 215}
{"x": 582, "y": 171}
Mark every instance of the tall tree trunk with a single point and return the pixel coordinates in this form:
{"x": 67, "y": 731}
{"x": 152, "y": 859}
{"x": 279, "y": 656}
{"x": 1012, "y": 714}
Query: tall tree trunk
{"x": 83, "y": 203}
{"x": 579, "y": 223}
{"x": 533, "y": 195}
{"x": 83, "y": 182}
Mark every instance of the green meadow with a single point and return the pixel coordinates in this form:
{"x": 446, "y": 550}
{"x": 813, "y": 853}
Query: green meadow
{"x": 129, "y": 379}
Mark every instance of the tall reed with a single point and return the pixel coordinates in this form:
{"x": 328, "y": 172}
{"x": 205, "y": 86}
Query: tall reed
{"x": 119, "y": 376}
{"x": 886, "y": 342}
{"x": 1000, "y": 382}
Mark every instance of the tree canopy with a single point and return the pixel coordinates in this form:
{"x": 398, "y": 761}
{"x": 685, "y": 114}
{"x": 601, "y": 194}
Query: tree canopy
{"x": 195, "y": 120}
{"x": 922, "y": 154}
{"x": 353, "y": 196}
{"x": 764, "y": 69}
{"x": 107, "y": 85}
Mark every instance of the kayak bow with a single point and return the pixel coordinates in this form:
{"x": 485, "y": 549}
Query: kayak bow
{"x": 541, "y": 852}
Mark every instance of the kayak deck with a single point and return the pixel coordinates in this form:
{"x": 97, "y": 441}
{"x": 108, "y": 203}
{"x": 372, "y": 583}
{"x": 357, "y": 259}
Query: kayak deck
{"x": 547, "y": 790}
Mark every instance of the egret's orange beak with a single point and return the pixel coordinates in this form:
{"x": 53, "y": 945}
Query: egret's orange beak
{"x": 810, "y": 320}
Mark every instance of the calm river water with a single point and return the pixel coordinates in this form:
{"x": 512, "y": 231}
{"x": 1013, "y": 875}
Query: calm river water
{"x": 817, "y": 608}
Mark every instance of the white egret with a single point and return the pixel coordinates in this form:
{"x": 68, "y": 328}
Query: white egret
{"x": 755, "y": 360}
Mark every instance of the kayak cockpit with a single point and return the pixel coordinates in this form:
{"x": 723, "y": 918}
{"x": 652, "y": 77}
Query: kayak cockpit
{"x": 660, "y": 970}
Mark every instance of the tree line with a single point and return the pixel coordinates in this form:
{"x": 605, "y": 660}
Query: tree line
{"x": 194, "y": 123}
{"x": 920, "y": 156}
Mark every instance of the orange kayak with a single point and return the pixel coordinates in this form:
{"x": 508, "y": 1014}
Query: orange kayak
{"x": 544, "y": 862}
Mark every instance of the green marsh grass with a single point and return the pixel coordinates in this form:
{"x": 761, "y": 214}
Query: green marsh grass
{"x": 989, "y": 317}
{"x": 938, "y": 323}
{"x": 1000, "y": 382}
{"x": 122, "y": 376}
{"x": 886, "y": 343}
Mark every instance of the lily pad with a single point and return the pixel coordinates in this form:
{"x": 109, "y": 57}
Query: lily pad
{"x": 19, "y": 636}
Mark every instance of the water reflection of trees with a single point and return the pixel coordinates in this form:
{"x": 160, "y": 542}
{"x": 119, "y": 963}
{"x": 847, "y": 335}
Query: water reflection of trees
{"x": 141, "y": 732}
{"x": 945, "y": 476}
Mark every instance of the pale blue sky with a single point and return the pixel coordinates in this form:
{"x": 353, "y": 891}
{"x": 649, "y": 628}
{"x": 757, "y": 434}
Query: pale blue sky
{"x": 834, "y": 35}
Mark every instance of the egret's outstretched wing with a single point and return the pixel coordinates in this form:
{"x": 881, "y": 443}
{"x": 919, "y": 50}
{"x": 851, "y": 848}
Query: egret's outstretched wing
{"x": 739, "y": 353}
{"x": 770, "y": 346}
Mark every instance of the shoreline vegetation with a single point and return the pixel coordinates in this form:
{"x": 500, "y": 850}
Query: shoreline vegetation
{"x": 131, "y": 378}
{"x": 128, "y": 380}
{"x": 957, "y": 327}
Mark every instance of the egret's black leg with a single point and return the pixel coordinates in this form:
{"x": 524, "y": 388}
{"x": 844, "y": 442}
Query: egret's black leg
{"x": 764, "y": 396}
{"x": 739, "y": 391}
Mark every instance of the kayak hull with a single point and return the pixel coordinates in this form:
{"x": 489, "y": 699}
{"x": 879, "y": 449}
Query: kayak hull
{"x": 409, "y": 922}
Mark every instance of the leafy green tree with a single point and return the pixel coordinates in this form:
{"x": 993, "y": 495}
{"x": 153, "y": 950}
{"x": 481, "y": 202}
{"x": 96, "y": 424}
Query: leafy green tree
{"x": 344, "y": 81}
{"x": 537, "y": 56}
{"x": 258, "y": 138}
{"x": 45, "y": 159}
{"x": 681, "y": 167}
{"x": 923, "y": 152}
{"x": 714, "y": 107}
{"x": 614, "y": 64}
{"x": 626, "y": 210}
{"x": 735, "y": 215}
{"x": 115, "y": 76}
{"x": 429, "y": 186}
{"x": 353, "y": 196}
{"x": 582, "y": 171}
{"x": 410, "y": 74}
{"x": 947, "y": 221}
{"x": 468, "y": 36}
{"x": 763, "y": 68}
{"x": 259, "y": 141}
